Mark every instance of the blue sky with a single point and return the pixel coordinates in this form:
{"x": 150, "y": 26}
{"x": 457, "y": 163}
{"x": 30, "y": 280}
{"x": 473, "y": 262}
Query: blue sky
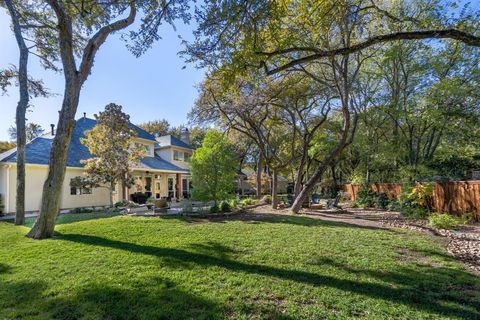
{"x": 153, "y": 86}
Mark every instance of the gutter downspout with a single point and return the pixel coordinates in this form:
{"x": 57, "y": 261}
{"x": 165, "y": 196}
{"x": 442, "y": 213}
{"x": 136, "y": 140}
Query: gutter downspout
{"x": 7, "y": 191}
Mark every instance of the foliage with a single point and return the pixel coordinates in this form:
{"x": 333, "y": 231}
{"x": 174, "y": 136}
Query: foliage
{"x": 122, "y": 203}
{"x": 265, "y": 182}
{"x": 413, "y": 212}
{"x": 157, "y": 127}
{"x": 32, "y": 131}
{"x": 382, "y": 201}
{"x": 419, "y": 195}
{"x": 214, "y": 209}
{"x": 225, "y": 206}
{"x": 248, "y": 201}
{"x": 5, "y": 146}
{"x": 213, "y": 168}
{"x": 266, "y": 199}
{"x": 444, "y": 221}
{"x": 366, "y": 198}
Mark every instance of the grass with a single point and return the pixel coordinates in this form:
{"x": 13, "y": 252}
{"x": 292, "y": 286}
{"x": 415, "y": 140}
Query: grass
{"x": 273, "y": 267}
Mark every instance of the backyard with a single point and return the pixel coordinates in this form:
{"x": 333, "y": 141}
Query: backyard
{"x": 245, "y": 266}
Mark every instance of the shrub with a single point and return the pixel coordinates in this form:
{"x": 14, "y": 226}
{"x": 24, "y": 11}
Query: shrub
{"x": 187, "y": 206}
{"x": 81, "y": 210}
{"x": 248, "y": 201}
{"x": 225, "y": 206}
{"x": 444, "y": 221}
{"x": 214, "y": 209}
{"x": 267, "y": 199}
{"x": 394, "y": 205}
{"x": 467, "y": 217}
{"x": 382, "y": 200}
{"x": 413, "y": 212}
{"x": 366, "y": 198}
{"x": 419, "y": 195}
{"x": 122, "y": 203}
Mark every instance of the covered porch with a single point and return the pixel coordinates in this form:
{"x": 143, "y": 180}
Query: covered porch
{"x": 171, "y": 186}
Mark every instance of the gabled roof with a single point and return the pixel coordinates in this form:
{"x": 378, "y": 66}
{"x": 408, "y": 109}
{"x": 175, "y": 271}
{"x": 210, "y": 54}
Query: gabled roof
{"x": 157, "y": 163}
{"x": 169, "y": 140}
{"x": 38, "y": 150}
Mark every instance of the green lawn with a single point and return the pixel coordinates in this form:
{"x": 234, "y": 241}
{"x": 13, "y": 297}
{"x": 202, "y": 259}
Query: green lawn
{"x": 276, "y": 268}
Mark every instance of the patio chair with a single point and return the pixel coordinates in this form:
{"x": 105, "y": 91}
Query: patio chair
{"x": 333, "y": 203}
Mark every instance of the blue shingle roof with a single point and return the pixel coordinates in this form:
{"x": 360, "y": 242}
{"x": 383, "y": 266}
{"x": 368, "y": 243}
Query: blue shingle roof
{"x": 38, "y": 150}
{"x": 157, "y": 163}
{"x": 179, "y": 143}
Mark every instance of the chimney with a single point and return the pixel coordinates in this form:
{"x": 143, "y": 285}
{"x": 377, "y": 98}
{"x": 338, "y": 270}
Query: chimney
{"x": 185, "y": 136}
{"x": 53, "y": 129}
{"x": 84, "y": 115}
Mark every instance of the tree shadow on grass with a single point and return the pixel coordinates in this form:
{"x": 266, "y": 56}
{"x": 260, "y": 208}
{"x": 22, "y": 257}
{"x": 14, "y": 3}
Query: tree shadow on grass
{"x": 5, "y": 268}
{"x": 254, "y": 218}
{"x": 423, "y": 291}
{"x": 150, "y": 298}
{"x": 17, "y": 298}
{"x": 67, "y": 218}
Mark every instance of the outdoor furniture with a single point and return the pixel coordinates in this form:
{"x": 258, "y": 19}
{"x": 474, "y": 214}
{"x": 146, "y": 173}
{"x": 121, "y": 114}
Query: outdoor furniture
{"x": 139, "y": 197}
{"x": 333, "y": 203}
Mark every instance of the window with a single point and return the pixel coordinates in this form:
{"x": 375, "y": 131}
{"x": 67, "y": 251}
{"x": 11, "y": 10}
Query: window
{"x": 148, "y": 148}
{"x": 76, "y": 191}
{"x": 176, "y": 156}
{"x": 186, "y": 156}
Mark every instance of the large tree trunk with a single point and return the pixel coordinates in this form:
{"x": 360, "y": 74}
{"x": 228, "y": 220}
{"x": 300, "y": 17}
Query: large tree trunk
{"x": 74, "y": 79}
{"x": 300, "y": 173}
{"x": 274, "y": 188}
{"x": 20, "y": 114}
{"x": 259, "y": 176}
{"x": 52, "y": 188}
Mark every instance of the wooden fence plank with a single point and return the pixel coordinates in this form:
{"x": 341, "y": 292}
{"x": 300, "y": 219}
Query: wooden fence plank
{"x": 455, "y": 197}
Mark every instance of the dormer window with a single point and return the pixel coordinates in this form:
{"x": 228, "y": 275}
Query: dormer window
{"x": 177, "y": 155}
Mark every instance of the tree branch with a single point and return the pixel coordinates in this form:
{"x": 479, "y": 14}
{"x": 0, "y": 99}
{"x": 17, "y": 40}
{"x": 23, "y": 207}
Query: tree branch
{"x": 467, "y": 38}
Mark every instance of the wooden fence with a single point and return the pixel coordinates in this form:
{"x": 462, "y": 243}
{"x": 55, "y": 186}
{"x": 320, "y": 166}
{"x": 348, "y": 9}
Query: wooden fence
{"x": 456, "y": 197}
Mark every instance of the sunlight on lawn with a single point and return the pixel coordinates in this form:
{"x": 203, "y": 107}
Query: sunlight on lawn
{"x": 273, "y": 267}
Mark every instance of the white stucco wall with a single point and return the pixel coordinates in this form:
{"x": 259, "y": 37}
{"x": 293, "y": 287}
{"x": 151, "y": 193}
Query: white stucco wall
{"x": 35, "y": 177}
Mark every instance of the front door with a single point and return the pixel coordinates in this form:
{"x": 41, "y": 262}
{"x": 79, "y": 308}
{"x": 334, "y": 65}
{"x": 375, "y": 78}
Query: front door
{"x": 185, "y": 189}
{"x": 171, "y": 192}
{"x": 148, "y": 186}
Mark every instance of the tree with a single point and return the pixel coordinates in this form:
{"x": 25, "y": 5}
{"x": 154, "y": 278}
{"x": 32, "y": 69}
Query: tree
{"x": 111, "y": 142}
{"x": 157, "y": 127}
{"x": 286, "y": 37}
{"x": 213, "y": 167}
{"x": 75, "y": 30}
{"x": 32, "y": 131}
{"x": 23, "y": 103}
{"x": 5, "y": 146}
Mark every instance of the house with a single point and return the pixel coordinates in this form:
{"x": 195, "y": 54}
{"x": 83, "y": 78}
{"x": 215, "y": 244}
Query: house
{"x": 248, "y": 184}
{"x": 162, "y": 173}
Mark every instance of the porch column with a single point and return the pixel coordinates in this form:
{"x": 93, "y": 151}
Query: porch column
{"x": 124, "y": 191}
{"x": 179, "y": 186}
